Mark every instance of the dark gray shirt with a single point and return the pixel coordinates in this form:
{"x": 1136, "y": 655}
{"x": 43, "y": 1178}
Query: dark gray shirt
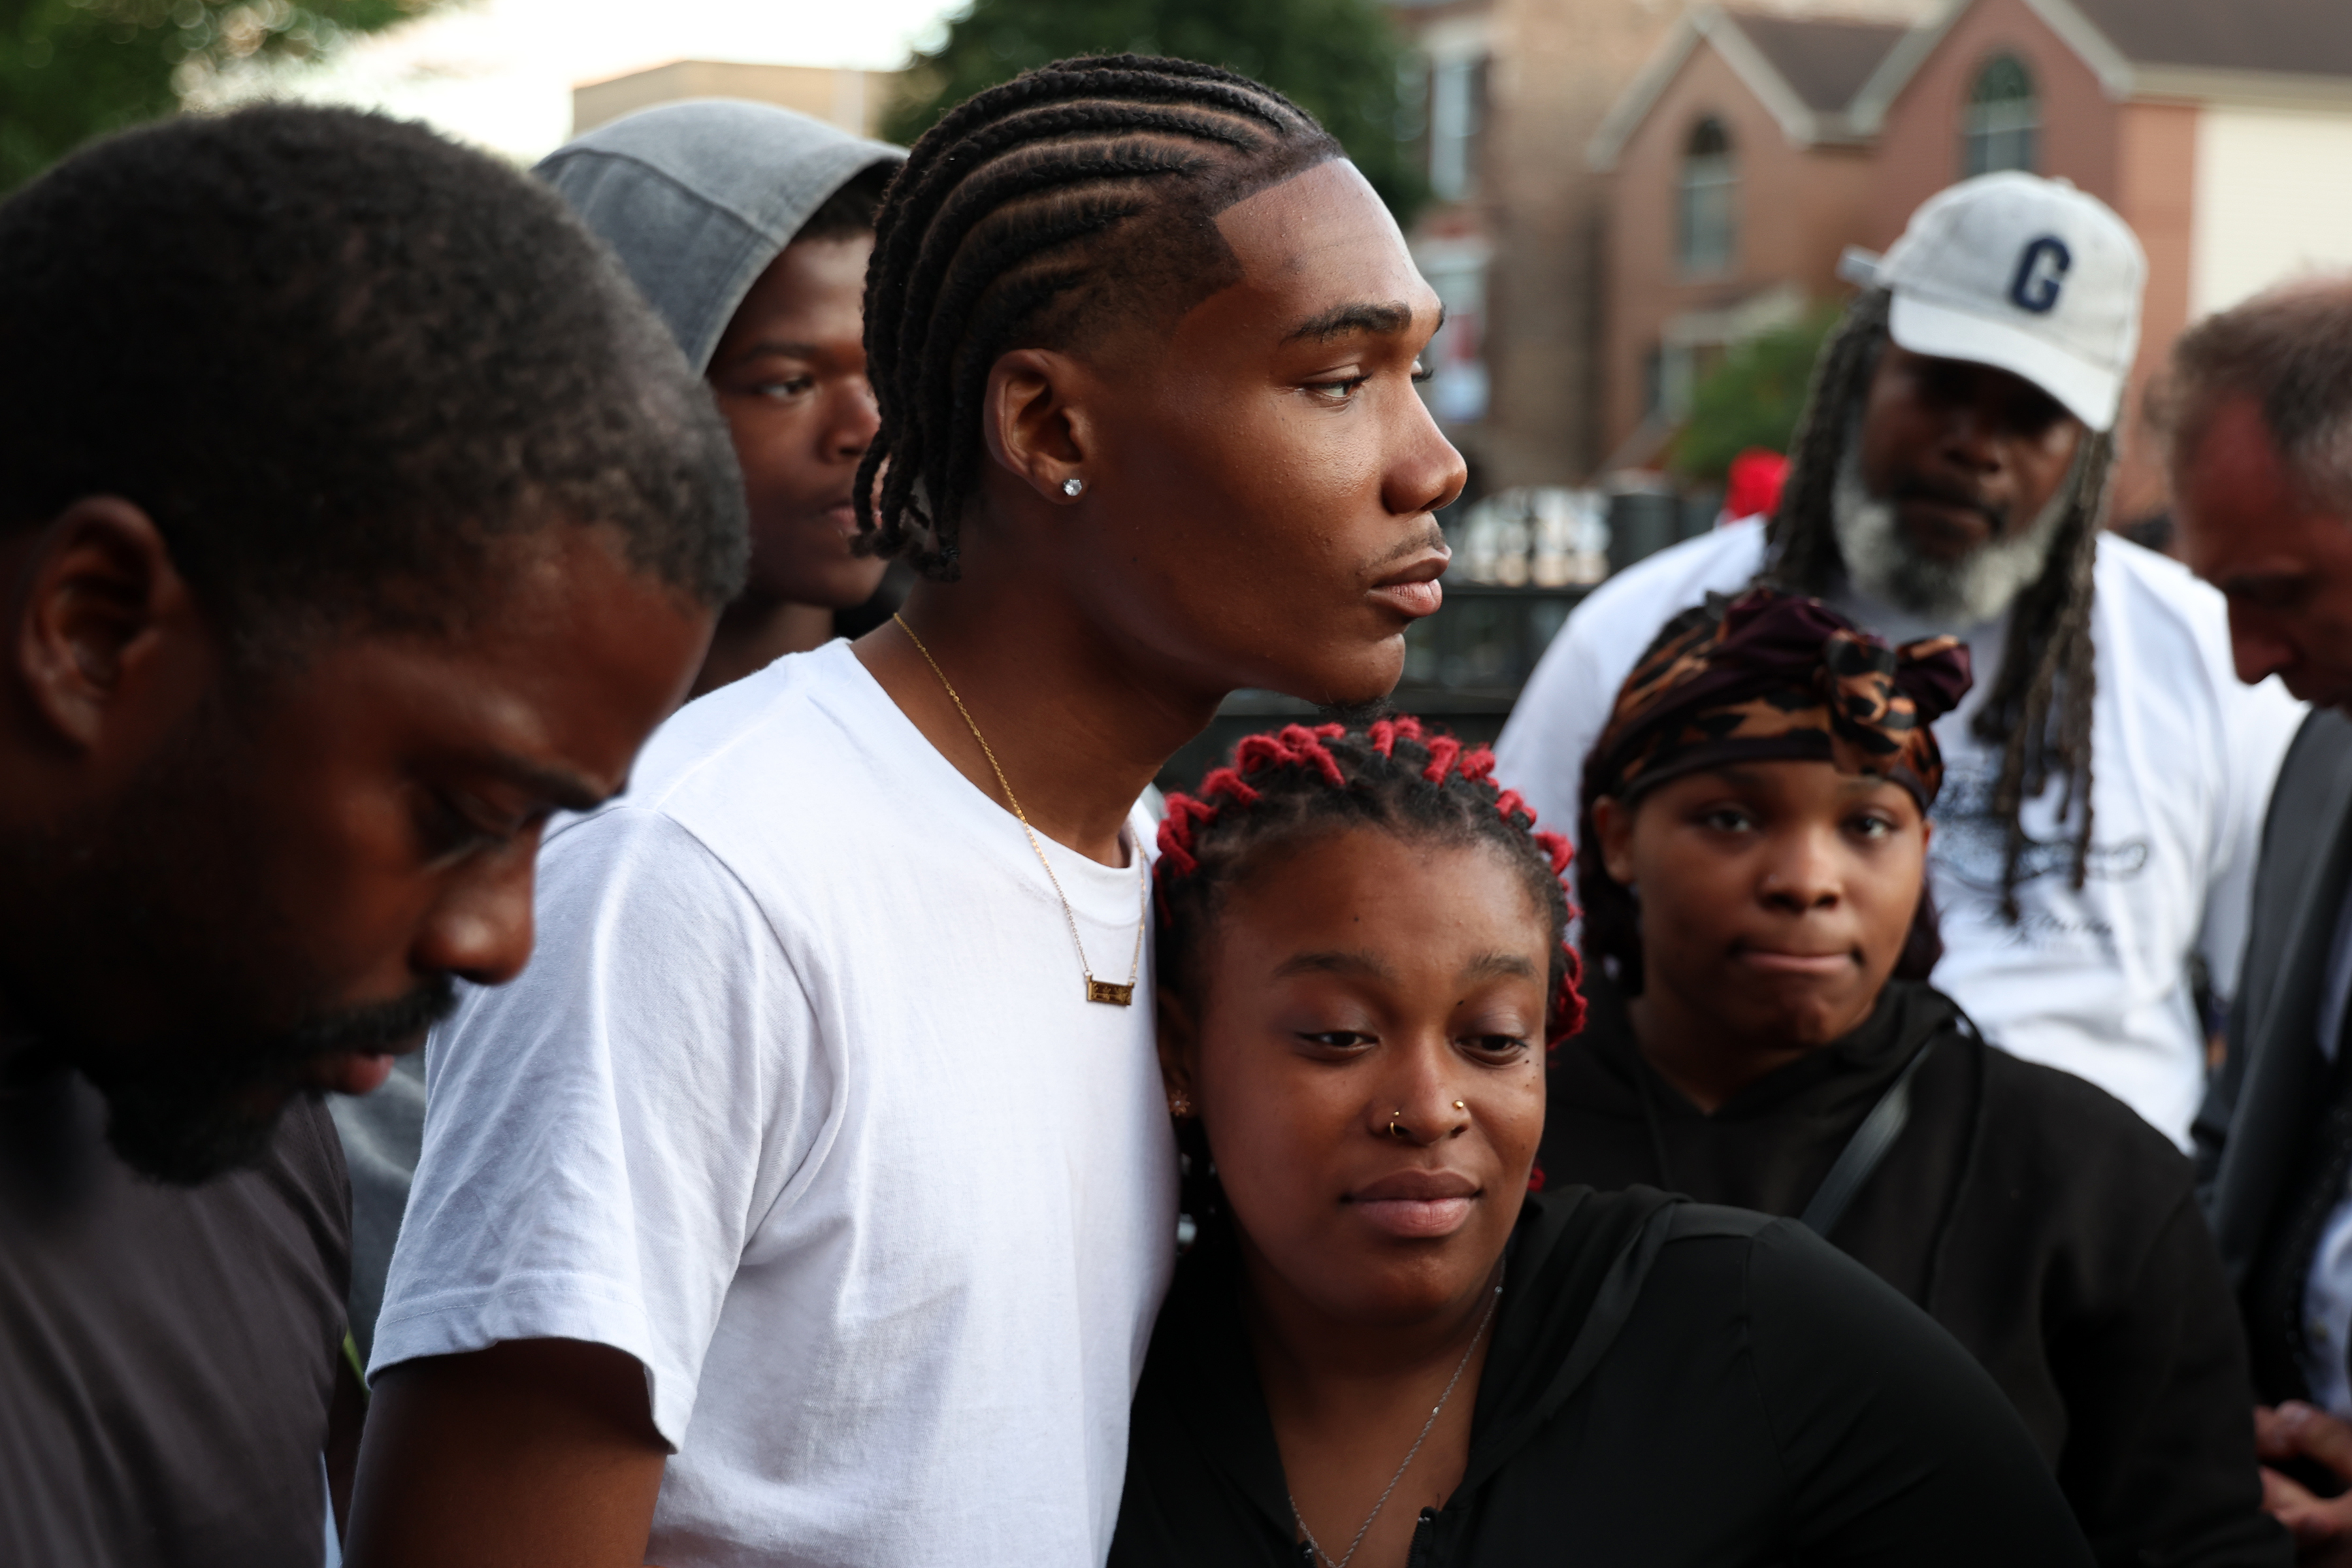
{"x": 167, "y": 1354}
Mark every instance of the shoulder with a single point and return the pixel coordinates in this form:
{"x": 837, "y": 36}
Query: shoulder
{"x": 783, "y": 752}
{"x": 2076, "y": 1123}
{"x": 1821, "y": 1329}
{"x": 2309, "y": 778}
{"x": 2170, "y": 633}
{"x": 1575, "y": 683}
{"x": 1797, "y": 1297}
{"x": 308, "y": 1152}
{"x": 2167, "y": 624}
{"x": 751, "y": 795}
{"x": 2070, "y": 1174}
{"x": 2160, "y": 590}
{"x": 1644, "y": 596}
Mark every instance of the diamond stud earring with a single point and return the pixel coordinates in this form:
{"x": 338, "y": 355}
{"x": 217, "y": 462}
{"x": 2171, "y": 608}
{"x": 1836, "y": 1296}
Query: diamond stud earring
{"x": 1072, "y": 485}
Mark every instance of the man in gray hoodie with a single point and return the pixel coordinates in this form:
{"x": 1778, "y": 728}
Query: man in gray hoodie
{"x": 748, "y": 227}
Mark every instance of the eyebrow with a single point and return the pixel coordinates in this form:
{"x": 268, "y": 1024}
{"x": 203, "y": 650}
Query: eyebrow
{"x": 1362, "y": 316}
{"x": 1487, "y": 965}
{"x": 790, "y": 351}
{"x": 1361, "y": 963}
{"x": 1748, "y": 778}
{"x": 1483, "y": 966}
{"x": 564, "y": 789}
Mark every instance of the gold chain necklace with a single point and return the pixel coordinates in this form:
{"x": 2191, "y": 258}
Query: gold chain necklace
{"x": 1097, "y": 990}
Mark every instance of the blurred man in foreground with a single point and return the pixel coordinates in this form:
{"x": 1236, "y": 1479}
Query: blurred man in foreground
{"x": 747, "y": 228}
{"x": 354, "y": 517}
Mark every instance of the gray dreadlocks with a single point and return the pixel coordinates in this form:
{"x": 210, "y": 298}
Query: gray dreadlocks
{"x": 2039, "y": 709}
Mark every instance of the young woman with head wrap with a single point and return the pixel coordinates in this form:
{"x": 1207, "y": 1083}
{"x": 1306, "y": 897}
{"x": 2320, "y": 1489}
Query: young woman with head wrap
{"x": 1762, "y": 1034}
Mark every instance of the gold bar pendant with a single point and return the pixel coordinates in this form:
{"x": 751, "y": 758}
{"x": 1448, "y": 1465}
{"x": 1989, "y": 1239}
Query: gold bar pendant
{"x": 1104, "y": 991}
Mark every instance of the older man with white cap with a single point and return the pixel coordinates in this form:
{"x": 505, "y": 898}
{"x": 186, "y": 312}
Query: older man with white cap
{"x": 1949, "y": 476}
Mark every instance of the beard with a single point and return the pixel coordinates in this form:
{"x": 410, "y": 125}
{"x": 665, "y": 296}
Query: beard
{"x": 1882, "y": 563}
{"x": 154, "y": 898}
{"x": 183, "y": 1110}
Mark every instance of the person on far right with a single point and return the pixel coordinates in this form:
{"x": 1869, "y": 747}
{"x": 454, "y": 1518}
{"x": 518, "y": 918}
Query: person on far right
{"x": 2257, "y": 405}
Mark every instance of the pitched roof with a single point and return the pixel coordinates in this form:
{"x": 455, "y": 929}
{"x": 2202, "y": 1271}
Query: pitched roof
{"x": 2284, "y": 53}
{"x": 1804, "y": 71}
{"x": 2311, "y": 38}
{"x": 1824, "y": 62}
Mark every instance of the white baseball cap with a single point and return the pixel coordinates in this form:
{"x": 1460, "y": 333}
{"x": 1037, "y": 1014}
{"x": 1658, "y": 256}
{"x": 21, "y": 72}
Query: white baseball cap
{"x": 2027, "y": 275}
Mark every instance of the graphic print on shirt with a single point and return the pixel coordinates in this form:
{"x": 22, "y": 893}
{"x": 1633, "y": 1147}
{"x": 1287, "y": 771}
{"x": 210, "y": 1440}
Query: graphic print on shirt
{"x": 1971, "y": 845}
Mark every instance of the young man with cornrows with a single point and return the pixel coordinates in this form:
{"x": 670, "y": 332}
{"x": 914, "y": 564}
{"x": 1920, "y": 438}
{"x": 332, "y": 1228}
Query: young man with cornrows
{"x": 811, "y": 1201}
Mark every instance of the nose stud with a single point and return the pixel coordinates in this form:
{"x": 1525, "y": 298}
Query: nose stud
{"x": 1396, "y": 1124}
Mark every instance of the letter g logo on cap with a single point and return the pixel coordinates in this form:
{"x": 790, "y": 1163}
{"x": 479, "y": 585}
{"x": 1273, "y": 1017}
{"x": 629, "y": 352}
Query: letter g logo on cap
{"x": 2041, "y": 269}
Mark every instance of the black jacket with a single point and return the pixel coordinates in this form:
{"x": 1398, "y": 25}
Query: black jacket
{"x": 2255, "y": 1143}
{"x": 1668, "y": 1385}
{"x": 2054, "y": 1233}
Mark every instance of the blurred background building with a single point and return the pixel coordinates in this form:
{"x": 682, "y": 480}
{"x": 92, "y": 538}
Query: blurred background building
{"x": 1750, "y": 149}
{"x": 852, "y": 99}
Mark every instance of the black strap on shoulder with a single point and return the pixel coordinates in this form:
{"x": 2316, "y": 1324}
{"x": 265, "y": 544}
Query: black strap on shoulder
{"x": 1864, "y": 1150}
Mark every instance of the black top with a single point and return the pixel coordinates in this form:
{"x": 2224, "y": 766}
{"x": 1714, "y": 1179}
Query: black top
{"x": 1668, "y": 1384}
{"x": 167, "y": 1354}
{"x": 2054, "y": 1233}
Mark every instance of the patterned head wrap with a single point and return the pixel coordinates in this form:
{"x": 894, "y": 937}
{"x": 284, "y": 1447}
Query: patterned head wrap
{"x": 1772, "y": 675}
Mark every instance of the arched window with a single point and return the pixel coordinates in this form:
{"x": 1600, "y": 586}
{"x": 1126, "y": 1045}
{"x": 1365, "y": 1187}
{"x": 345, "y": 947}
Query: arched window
{"x": 2002, "y": 121}
{"x": 1708, "y": 211}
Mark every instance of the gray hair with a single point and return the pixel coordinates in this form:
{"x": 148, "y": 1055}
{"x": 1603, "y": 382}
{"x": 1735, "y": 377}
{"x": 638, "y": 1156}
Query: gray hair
{"x": 2289, "y": 350}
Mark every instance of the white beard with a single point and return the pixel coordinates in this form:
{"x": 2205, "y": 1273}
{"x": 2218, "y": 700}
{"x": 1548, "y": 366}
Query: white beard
{"x": 1881, "y": 564}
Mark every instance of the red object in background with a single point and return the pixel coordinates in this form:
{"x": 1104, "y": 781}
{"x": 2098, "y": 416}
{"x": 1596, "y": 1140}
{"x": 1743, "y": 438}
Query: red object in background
{"x": 1754, "y": 486}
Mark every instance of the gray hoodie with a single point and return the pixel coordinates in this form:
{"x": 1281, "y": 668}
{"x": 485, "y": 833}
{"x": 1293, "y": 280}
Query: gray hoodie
{"x": 699, "y": 197}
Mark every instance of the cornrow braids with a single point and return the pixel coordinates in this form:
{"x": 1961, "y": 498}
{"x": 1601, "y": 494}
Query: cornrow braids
{"x": 1030, "y": 216}
{"x": 2038, "y": 711}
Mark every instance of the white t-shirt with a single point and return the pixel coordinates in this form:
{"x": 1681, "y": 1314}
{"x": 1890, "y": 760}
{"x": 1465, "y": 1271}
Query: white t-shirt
{"x": 2182, "y": 759}
{"x": 801, "y": 1103}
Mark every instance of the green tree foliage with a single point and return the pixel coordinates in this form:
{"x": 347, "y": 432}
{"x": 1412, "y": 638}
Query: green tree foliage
{"x": 72, "y": 70}
{"x": 1752, "y": 398}
{"x": 1340, "y": 60}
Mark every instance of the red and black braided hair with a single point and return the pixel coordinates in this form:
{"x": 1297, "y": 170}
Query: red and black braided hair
{"x": 1077, "y": 193}
{"x": 1392, "y": 775}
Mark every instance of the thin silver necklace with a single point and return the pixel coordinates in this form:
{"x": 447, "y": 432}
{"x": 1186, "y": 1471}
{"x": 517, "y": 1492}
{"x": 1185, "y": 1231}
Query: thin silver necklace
{"x": 1365, "y": 1529}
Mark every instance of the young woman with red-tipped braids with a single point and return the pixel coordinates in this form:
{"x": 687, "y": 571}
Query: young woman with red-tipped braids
{"x": 809, "y": 1201}
{"x": 1391, "y": 1343}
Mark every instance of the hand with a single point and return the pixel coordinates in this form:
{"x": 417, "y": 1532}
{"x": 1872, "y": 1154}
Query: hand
{"x": 2322, "y": 1526}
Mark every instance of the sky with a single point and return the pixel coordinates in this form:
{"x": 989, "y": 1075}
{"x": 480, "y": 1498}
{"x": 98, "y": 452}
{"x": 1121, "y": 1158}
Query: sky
{"x": 500, "y": 72}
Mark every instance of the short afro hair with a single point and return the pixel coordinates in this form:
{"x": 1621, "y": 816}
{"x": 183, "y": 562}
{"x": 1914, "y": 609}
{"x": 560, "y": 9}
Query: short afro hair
{"x": 338, "y": 359}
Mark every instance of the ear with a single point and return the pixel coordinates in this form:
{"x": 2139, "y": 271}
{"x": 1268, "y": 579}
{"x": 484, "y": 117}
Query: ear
{"x": 103, "y": 615}
{"x": 1179, "y": 1041}
{"x": 1036, "y": 421}
{"x": 1612, "y": 823}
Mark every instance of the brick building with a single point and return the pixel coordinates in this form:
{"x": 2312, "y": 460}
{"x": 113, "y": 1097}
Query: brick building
{"x": 1509, "y": 95}
{"x": 2217, "y": 132}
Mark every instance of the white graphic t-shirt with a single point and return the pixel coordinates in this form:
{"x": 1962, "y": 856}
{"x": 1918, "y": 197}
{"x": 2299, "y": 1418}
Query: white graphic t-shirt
{"x": 801, "y": 1103}
{"x": 2182, "y": 757}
